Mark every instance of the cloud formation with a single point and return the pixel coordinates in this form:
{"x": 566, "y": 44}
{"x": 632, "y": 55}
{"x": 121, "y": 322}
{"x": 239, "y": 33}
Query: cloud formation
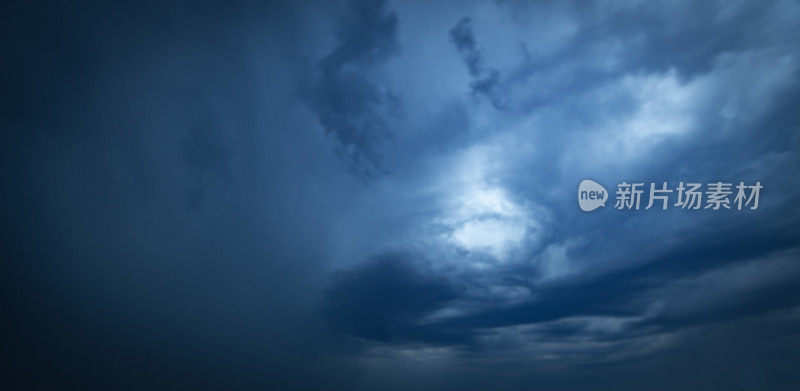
{"x": 352, "y": 107}
{"x": 622, "y": 94}
{"x": 401, "y": 213}
{"x": 484, "y": 79}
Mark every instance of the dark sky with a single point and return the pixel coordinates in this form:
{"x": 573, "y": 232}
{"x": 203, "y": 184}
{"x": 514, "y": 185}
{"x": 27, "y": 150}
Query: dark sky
{"x": 381, "y": 195}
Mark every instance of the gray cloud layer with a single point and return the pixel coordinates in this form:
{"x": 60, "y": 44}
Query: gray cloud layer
{"x": 380, "y": 195}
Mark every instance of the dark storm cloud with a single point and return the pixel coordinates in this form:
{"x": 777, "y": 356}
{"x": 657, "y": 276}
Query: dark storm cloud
{"x": 390, "y": 298}
{"x": 464, "y": 39}
{"x": 464, "y": 262}
{"x": 632, "y": 268}
{"x": 387, "y": 298}
{"x": 485, "y": 79}
{"x": 352, "y": 108}
{"x": 626, "y": 292}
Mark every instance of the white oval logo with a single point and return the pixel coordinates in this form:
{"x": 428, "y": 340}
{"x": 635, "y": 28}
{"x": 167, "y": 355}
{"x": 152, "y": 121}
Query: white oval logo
{"x": 591, "y": 195}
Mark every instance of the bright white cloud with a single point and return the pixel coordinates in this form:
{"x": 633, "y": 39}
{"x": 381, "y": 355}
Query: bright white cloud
{"x": 480, "y": 215}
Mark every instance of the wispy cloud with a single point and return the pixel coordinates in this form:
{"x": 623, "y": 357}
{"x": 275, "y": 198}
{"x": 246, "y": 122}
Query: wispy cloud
{"x": 354, "y": 109}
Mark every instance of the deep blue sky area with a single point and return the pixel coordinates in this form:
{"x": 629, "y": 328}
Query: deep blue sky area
{"x": 381, "y": 195}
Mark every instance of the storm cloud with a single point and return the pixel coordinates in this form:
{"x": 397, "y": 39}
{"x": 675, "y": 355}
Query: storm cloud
{"x": 485, "y": 79}
{"x": 352, "y": 107}
{"x": 381, "y": 195}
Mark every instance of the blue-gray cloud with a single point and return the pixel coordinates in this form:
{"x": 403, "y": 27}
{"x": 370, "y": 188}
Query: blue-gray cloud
{"x": 628, "y": 96}
{"x": 463, "y": 262}
{"x": 484, "y": 79}
{"x": 386, "y": 299}
{"x": 352, "y": 108}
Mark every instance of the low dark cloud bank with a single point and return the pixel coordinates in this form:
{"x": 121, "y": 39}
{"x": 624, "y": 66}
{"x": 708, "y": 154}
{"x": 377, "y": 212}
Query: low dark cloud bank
{"x": 381, "y": 195}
